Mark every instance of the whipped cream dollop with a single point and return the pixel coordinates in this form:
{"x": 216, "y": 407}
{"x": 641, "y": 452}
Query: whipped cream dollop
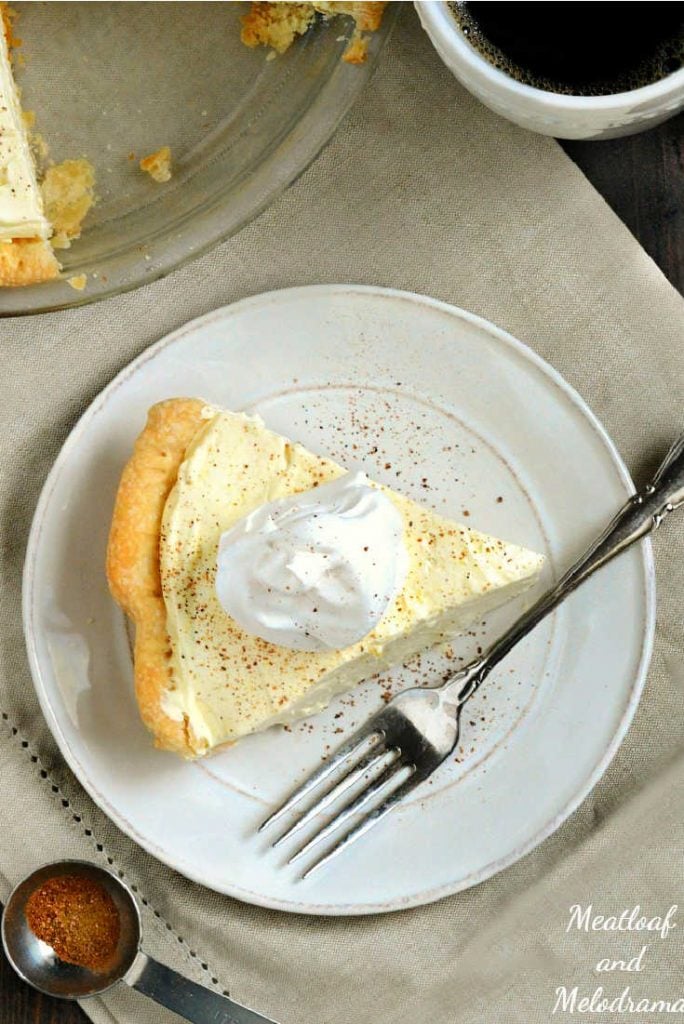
{"x": 314, "y": 571}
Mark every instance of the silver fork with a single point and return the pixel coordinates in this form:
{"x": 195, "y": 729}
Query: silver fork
{"x": 402, "y": 745}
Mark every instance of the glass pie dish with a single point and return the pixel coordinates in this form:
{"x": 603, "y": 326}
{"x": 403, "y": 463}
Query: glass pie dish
{"x": 114, "y": 82}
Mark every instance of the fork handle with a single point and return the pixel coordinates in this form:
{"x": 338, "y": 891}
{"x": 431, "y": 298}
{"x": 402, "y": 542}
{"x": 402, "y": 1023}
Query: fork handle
{"x": 642, "y": 513}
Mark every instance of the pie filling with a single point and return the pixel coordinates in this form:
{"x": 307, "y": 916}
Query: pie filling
{"x": 224, "y": 681}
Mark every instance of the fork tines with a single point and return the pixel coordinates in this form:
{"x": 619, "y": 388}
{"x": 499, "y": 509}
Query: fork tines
{"x": 357, "y": 746}
{"x": 365, "y": 758}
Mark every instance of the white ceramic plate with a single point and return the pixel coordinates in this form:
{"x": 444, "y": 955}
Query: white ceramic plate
{"x": 447, "y": 408}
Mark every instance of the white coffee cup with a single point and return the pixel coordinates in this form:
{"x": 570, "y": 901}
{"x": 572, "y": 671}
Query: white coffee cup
{"x": 565, "y": 117}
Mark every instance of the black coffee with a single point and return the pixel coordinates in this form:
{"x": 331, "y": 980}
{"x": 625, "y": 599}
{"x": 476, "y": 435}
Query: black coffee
{"x": 584, "y": 49}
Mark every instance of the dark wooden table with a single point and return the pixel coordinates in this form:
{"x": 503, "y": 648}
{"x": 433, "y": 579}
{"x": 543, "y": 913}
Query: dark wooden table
{"x": 642, "y": 179}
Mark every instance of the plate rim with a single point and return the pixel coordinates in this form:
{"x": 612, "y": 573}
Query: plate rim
{"x": 425, "y": 896}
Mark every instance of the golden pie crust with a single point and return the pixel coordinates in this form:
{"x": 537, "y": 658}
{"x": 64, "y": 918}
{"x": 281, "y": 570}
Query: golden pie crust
{"x": 133, "y": 569}
{"x": 27, "y": 261}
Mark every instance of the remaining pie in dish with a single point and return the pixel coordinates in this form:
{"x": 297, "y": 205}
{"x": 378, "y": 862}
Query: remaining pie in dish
{"x": 278, "y": 24}
{"x": 33, "y": 221}
{"x": 25, "y": 253}
{"x": 40, "y": 217}
{"x": 196, "y": 476}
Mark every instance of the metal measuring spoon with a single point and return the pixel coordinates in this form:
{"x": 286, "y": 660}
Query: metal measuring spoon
{"x": 36, "y": 963}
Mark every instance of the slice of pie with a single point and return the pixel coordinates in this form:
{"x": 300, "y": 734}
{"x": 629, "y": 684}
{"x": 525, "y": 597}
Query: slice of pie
{"x": 278, "y": 24}
{"x": 201, "y": 680}
{"x": 30, "y": 216}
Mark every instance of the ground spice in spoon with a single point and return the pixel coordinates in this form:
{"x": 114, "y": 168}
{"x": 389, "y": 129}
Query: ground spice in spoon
{"x": 78, "y": 918}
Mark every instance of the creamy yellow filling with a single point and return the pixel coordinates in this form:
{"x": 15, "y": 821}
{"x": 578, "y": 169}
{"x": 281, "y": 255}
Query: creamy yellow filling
{"x": 227, "y": 683}
{"x": 21, "y": 207}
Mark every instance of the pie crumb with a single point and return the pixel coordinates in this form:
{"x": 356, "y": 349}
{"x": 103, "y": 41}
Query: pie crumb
{"x": 68, "y": 196}
{"x": 78, "y": 282}
{"x": 357, "y": 49}
{"x": 158, "y": 165}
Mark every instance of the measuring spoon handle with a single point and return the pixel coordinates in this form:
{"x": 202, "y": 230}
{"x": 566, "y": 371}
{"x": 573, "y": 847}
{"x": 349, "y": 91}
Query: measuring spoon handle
{"x": 194, "y": 1002}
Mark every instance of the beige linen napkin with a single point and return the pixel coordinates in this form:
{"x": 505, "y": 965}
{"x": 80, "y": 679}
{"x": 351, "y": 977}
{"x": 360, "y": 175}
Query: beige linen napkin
{"x": 423, "y": 189}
